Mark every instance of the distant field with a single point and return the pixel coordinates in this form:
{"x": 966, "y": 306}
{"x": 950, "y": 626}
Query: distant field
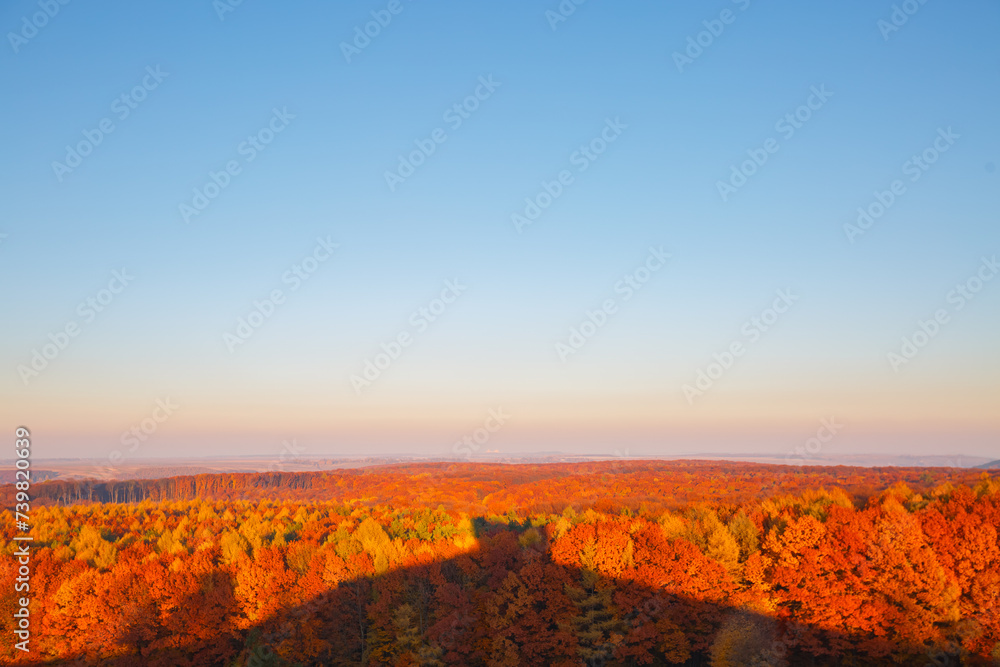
{"x": 159, "y": 468}
{"x": 43, "y": 469}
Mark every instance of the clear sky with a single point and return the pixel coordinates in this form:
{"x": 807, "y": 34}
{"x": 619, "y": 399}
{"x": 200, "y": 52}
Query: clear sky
{"x": 673, "y": 169}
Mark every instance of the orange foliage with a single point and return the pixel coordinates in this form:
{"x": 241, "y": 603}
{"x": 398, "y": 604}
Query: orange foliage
{"x": 468, "y": 574}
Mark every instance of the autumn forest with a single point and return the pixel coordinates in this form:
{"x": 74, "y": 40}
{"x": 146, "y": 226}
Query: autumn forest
{"x": 608, "y": 563}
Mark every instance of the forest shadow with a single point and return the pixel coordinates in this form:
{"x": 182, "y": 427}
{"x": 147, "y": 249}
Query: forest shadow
{"x": 511, "y": 601}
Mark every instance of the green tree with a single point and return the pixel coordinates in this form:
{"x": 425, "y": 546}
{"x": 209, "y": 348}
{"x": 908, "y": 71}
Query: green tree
{"x": 598, "y": 627}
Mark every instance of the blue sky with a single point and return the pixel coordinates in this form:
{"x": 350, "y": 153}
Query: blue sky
{"x": 655, "y": 185}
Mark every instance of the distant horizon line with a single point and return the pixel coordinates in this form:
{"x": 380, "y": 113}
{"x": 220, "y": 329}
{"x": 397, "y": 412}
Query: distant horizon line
{"x": 508, "y": 457}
